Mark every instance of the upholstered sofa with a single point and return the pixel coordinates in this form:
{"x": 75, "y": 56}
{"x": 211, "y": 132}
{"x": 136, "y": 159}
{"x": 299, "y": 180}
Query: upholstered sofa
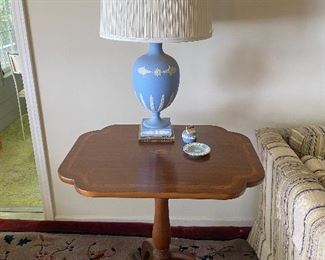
{"x": 291, "y": 218}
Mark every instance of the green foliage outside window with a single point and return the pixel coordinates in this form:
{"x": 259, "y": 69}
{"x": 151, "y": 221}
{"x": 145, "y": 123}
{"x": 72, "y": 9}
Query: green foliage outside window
{"x": 7, "y": 35}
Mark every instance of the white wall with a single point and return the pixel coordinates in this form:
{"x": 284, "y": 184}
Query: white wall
{"x": 264, "y": 66}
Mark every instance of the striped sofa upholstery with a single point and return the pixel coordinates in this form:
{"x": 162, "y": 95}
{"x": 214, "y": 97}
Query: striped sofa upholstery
{"x": 308, "y": 140}
{"x": 291, "y": 217}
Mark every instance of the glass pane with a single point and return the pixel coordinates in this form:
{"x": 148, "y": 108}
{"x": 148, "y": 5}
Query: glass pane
{"x": 7, "y": 34}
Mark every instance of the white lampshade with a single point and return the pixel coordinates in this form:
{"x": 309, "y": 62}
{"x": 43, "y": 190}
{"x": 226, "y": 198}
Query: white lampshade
{"x": 155, "y": 20}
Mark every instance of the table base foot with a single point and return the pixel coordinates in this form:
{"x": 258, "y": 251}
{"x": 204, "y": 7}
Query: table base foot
{"x": 149, "y": 252}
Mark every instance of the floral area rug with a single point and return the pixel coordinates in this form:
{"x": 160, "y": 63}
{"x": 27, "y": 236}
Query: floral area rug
{"x": 47, "y": 246}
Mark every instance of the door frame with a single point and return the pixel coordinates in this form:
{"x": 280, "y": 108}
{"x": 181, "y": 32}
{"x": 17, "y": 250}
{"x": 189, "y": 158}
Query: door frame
{"x": 24, "y": 45}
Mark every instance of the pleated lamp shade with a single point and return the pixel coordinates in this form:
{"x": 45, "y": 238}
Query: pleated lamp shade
{"x": 155, "y": 20}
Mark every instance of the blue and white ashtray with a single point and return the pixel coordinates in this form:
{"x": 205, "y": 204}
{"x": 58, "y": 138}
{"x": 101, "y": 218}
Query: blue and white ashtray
{"x": 196, "y": 149}
{"x": 189, "y": 135}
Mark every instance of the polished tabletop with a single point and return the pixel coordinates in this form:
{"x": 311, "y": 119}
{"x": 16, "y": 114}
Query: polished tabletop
{"x": 112, "y": 163}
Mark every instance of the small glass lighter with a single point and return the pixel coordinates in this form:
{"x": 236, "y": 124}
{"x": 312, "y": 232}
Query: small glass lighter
{"x": 189, "y": 134}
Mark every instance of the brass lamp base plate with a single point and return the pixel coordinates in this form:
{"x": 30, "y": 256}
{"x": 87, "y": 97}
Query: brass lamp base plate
{"x": 157, "y": 139}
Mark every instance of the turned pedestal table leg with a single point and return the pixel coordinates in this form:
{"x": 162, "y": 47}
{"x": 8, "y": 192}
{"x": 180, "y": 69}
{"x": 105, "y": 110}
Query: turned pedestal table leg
{"x": 157, "y": 248}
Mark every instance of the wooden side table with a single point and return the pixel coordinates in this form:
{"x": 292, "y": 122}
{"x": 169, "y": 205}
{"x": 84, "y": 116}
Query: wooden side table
{"x": 112, "y": 163}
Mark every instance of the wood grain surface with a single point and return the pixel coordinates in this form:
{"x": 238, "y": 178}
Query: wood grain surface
{"x": 112, "y": 163}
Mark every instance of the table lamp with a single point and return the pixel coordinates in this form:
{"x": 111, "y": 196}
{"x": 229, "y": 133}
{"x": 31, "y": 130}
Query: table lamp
{"x": 155, "y": 75}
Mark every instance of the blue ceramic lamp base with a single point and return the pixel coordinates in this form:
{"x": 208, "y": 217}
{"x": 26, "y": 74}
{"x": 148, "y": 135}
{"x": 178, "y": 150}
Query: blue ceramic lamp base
{"x": 156, "y": 122}
{"x": 164, "y": 132}
{"x": 163, "y": 135}
{"x": 155, "y": 78}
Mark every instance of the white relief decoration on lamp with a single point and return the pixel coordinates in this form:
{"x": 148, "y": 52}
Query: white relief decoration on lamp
{"x": 142, "y": 101}
{"x": 171, "y": 70}
{"x": 162, "y": 102}
{"x": 157, "y": 72}
{"x": 143, "y": 71}
{"x": 152, "y": 104}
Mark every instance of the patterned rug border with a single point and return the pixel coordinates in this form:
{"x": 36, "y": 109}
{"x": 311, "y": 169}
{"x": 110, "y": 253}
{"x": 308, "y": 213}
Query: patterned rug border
{"x": 48, "y": 246}
{"x": 122, "y": 229}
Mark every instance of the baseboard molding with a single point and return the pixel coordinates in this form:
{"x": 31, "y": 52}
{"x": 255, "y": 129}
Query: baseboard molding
{"x": 122, "y": 228}
{"x": 174, "y": 221}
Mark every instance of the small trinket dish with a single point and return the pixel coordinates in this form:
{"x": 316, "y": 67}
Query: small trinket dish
{"x": 196, "y": 149}
{"x": 189, "y": 135}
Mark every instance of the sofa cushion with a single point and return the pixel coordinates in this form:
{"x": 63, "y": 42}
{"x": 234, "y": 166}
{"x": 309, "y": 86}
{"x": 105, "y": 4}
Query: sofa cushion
{"x": 316, "y": 165}
{"x": 308, "y": 140}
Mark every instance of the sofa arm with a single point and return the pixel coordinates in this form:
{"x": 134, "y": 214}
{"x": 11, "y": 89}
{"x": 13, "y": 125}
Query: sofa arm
{"x": 291, "y": 220}
{"x": 273, "y": 141}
